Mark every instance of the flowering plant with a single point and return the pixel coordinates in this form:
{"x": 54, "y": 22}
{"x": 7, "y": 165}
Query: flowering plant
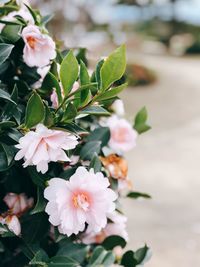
{"x": 62, "y": 139}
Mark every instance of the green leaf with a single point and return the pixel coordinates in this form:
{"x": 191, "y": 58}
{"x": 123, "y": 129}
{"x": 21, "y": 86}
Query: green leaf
{"x": 11, "y": 32}
{"x": 95, "y": 110}
{"x": 109, "y": 259}
{"x": 85, "y": 95}
{"x": 128, "y": 259}
{"x": 140, "y": 121}
{"x": 90, "y": 149}
{"x": 4, "y": 95}
{"x": 95, "y": 163}
{"x": 35, "y": 227}
{"x": 134, "y": 194}
{"x": 49, "y": 117}
{"x": 98, "y": 73}
{"x": 100, "y": 134}
{"x": 41, "y": 258}
{"x": 6, "y": 156}
{"x": 68, "y": 72}
{"x": 7, "y": 124}
{"x": 41, "y": 202}
{"x": 5, "y": 51}
{"x": 113, "y": 68}
{"x": 74, "y": 128}
{"x": 11, "y": 107}
{"x": 142, "y": 255}
{"x": 49, "y": 84}
{"x": 33, "y": 14}
{"x": 62, "y": 261}
{"x": 46, "y": 19}
{"x": 66, "y": 174}
{"x": 14, "y": 134}
{"x": 84, "y": 76}
{"x": 76, "y": 252}
{"x": 113, "y": 92}
{"x": 70, "y": 113}
{"x": 112, "y": 241}
{"x": 97, "y": 257}
{"x": 35, "y": 111}
{"x": 37, "y": 178}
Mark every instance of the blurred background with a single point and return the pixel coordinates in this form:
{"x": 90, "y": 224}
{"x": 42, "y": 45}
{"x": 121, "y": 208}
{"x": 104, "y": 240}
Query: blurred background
{"x": 163, "y": 51}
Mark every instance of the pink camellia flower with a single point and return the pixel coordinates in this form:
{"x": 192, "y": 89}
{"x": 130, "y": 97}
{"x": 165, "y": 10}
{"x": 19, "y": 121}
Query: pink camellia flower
{"x": 85, "y": 198}
{"x": 12, "y": 222}
{"x": 54, "y": 97}
{"x": 18, "y": 204}
{"x": 43, "y": 145}
{"x": 123, "y": 136}
{"x": 39, "y": 48}
{"x": 117, "y": 226}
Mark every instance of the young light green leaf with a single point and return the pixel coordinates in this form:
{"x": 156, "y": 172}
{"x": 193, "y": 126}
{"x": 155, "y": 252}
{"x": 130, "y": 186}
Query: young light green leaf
{"x": 113, "y": 68}
{"x": 68, "y": 72}
{"x": 35, "y": 111}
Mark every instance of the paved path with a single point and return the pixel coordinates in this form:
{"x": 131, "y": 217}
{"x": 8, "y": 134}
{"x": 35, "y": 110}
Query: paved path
{"x": 166, "y": 164}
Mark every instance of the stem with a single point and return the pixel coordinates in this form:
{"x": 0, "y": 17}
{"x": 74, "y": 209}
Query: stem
{"x": 73, "y": 93}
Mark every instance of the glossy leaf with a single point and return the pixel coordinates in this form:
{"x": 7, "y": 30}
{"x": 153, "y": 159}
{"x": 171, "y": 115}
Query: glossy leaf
{"x": 113, "y": 68}
{"x": 100, "y": 134}
{"x": 90, "y": 149}
{"x": 95, "y": 110}
{"x": 4, "y": 95}
{"x": 35, "y": 111}
{"x": 112, "y": 241}
{"x": 113, "y": 92}
{"x": 95, "y": 163}
{"x": 41, "y": 202}
{"x": 70, "y": 113}
{"x": 68, "y": 72}
{"x": 5, "y": 51}
{"x": 62, "y": 261}
{"x": 6, "y": 156}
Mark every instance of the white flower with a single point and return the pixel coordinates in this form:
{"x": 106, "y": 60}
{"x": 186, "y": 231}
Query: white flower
{"x": 117, "y": 226}
{"x": 118, "y": 107}
{"x": 39, "y": 48}
{"x": 123, "y": 136}
{"x": 12, "y": 222}
{"x": 43, "y": 145}
{"x": 85, "y": 198}
{"x": 18, "y": 204}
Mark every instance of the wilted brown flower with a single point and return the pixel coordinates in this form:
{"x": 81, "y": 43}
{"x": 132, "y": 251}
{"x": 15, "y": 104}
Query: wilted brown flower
{"x": 116, "y": 165}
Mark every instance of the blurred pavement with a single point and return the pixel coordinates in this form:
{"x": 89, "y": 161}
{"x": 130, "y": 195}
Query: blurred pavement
{"x": 166, "y": 164}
